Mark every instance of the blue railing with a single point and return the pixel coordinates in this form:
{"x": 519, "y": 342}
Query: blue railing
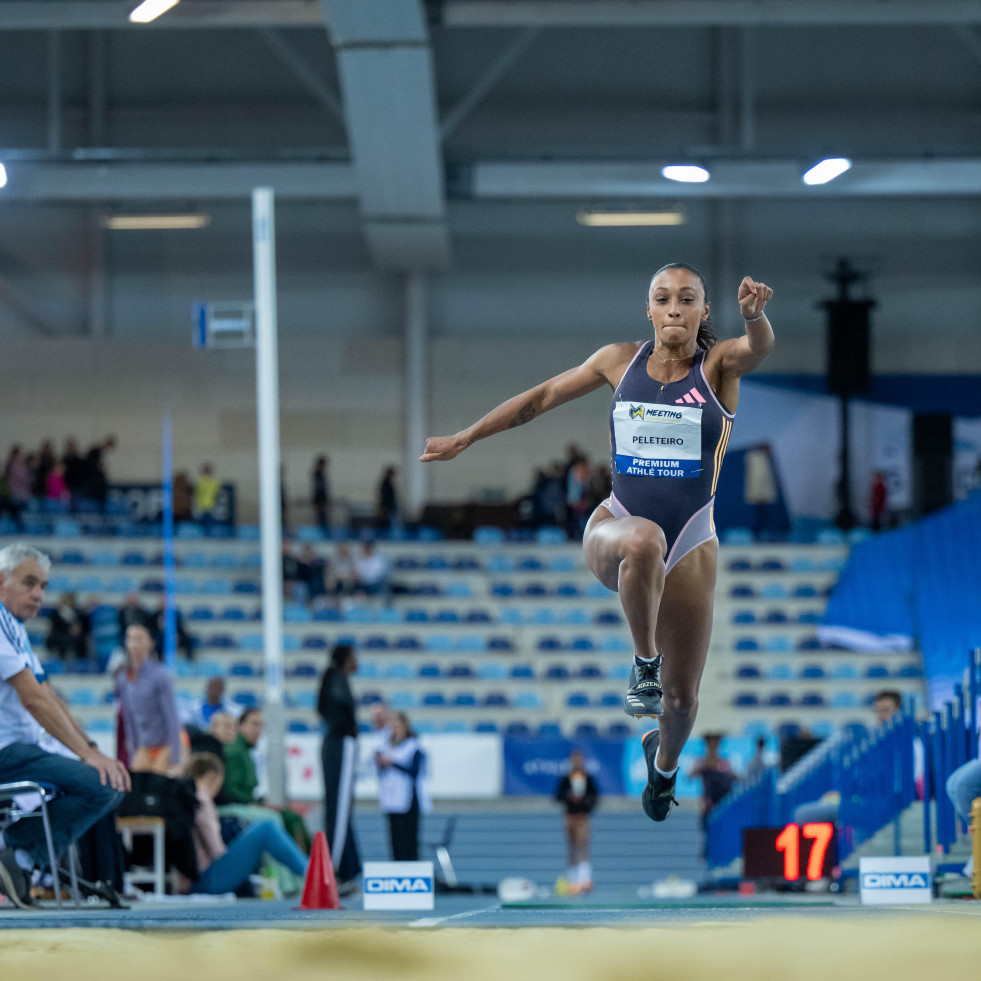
{"x": 875, "y": 775}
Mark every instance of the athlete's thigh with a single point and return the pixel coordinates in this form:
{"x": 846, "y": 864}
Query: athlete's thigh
{"x": 684, "y": 622}
{"x": 606, "y": 540}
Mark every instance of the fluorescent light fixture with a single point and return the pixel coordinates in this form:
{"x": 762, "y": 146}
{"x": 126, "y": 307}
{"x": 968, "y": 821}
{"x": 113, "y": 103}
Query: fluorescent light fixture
{"x": 151, "y": 10}
{"x": 629, "y": 219}
{"x": 3, "y": 175}
{"x": 155, "y": 222}
{"x": 827, "y": 170}
{"x": 688, "y": 173}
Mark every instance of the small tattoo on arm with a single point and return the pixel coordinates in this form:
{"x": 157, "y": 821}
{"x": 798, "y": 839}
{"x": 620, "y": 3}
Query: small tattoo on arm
{"x": 526, "y": 414}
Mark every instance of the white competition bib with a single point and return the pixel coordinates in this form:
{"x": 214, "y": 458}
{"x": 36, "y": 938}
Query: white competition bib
{"x": 657, "y": 440}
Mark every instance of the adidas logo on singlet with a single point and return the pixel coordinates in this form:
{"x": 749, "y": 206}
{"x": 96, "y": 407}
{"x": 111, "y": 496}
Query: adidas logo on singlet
{"x": 692, "y": 398}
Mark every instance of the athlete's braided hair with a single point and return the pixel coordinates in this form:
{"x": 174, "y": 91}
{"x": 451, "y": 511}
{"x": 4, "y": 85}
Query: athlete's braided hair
{"x": 706, "y": 334}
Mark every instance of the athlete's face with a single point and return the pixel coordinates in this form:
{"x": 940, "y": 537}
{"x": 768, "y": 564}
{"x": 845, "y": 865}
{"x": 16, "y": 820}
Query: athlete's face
{"x": 676, "y": 306}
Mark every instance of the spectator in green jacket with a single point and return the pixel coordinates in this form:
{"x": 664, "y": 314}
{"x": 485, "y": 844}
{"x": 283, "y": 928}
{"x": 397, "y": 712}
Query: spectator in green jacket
{"x": 241, "y": 779}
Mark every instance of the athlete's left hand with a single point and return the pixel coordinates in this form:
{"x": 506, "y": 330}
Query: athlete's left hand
{"x": 752, "y": 297}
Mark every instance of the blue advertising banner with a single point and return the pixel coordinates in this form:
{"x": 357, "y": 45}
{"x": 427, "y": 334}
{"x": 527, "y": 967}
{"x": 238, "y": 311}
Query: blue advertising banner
{"x": 534, "y": 766}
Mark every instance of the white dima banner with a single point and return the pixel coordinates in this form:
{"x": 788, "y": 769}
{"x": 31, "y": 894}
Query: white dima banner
{"x": 459, "y": 766}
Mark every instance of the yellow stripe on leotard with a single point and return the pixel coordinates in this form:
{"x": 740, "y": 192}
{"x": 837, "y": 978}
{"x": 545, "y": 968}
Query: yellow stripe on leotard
{"x": 720, "y": 450}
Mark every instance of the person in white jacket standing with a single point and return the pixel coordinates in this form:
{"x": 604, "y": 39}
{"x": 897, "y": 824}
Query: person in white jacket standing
{"x": 401, "y": 787}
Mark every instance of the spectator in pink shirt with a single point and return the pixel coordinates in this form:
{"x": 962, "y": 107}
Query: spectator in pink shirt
{"x": 55, "y": 487}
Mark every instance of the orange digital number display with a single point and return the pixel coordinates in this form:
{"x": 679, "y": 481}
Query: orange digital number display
{"x": 808, "y": 850}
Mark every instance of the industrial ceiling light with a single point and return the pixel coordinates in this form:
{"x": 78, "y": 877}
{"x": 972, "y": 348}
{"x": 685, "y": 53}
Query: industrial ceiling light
{"x": 827, "y": 170}
{"x": 143, "y": 223}
{"x": 629, "y": 219}
{"x": 3, "y": 175}
{"x": 151, "y": 10}
{"x": 687, "y": 173}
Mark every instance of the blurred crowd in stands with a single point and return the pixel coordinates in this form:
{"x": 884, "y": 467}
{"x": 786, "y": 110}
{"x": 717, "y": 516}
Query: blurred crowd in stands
{"x": 566, "y": 492}
{"x": 63, "y": 479}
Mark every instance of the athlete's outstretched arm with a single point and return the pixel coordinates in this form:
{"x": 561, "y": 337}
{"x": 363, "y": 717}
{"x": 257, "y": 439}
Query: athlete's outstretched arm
{"x": 742, "y": 354}
{"x": 593, "y": 373}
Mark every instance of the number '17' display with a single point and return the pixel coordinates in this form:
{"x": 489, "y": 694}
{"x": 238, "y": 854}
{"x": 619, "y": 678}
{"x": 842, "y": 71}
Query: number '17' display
{"x": 787, "y": 853}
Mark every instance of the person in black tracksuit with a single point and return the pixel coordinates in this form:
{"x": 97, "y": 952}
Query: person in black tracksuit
{"x": 339, "y": 755}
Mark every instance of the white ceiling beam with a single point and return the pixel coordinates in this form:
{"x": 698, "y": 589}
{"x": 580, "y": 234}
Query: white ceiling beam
{"x": 126, "y": 182}
{"x": 730, "y": 179}
{"x": 705, "y": 13}
{"x": 114, "y": 14}
{"x": 388, "y": 83}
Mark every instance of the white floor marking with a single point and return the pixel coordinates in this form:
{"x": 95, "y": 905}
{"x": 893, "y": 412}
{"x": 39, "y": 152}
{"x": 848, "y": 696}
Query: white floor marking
{"x": 431, "y": 921}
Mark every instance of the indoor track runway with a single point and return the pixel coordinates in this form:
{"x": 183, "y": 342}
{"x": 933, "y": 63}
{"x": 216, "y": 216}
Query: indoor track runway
{"x": 603, "y": 937}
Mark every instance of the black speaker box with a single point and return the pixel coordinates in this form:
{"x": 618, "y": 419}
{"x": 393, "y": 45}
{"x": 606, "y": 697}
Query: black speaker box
{"x": 848, "y": 347}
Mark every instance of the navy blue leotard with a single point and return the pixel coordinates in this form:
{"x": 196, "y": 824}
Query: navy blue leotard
{"x": 668, "y": 443}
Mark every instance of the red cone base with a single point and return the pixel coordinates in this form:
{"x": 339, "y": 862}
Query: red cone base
{"x": 320, "y": 888}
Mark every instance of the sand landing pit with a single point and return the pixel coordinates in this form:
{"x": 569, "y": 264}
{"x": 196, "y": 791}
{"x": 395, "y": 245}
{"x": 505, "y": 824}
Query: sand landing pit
{"x": 894, "y": 947}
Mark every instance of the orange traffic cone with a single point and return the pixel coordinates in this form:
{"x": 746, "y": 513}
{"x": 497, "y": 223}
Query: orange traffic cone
{"x": 320, "y": 887}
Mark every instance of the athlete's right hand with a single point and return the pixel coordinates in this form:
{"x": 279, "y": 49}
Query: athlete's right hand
{"x": 442, "y": 448}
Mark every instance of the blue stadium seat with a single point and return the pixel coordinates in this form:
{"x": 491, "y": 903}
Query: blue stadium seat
{"x": 464, "y": 699}
{"x": 327, "y": 614}
{"x": 804, "y": 591}
{"x": 53, "y": 667}
{"x": 133, "y": 558}
{"x": 291, "y": 643}
{"x": 247, "y": 699}
{"x": 812, "y": 699}
{"x": 737, "y": 536}
{"x": 370, "y": 697}
{"x": 802, "y": 564}
{"x": 416, "y": 615}
{"x": 745, "y": 699}
{"x": 615, "y": 644}
{"x": 582, "y": 644}
{"x": 376, "y": 642}
{"x": 517, "y": 730}
{"x": 610, "y": 699}
{"x": 550, "y": 535}
{"x": 72, "y": 557}
{"x": 567, "y": 590}
{"x": 779, "y": 672}
{"x": 406, "y": 563}
{"x": 533, "y": 590}
{"x": 252, "y": 642}
{"x": 408, "y": 642}
{"x": 744, "y": 616}
{"x": 529, "y": 563}
{"x": 486, "y": 726}
{"x": 774, "y": 590}
{"x": 528, "y": 700}
{"x": 369, "y": 670}
{"x": 233, "y": 613}
{"x": 427, "y": 589}
{"x": 455, "y": 725}
{"x": 458, "y": 590}
{"x": 296, "y": 613}
{"x": 434, "y": 699}
{"x": 219, "y": 587}
{"x": 305, "y": 669}
{"x": 195, "y": 560}
{"x": 590, "y": 671}
{"x": 779, "y": 645}
{"x": 740, "y": 565}
{"x": 488, "y": 535}
{"x": 576, "y": 616}
{"x": 429, "y": 670}
{"x": 809, "y": 644}
{"x": 83, "y": 698}
{"x": 502, "y": 590}
{"x": 314, "y": 642}
{"x": 561, "y": 563}
{"x": 577, "y": 699}
{"x": 877, "y": 671}
{"x": 557, "y": 672}
{"x": 619, "y": 671}
{"x": 447, "y": 616}
{"x": 242, "y": 669}
{"x": 491, "y": 670}
{"x": 909, "y": 671}
{"x": 779, "y": 699}
{"x": 808, "y": 617}
{"x": 619, "y": 730}
{"x": 403, "y": 701}
{"x": 496, "y": 699}
{"x": 772, "y": 565}
{"x": 499, "y": 644}
{"x": 788, "y": 730}
{"x": 748, "y": 671}
{"x": 608, "y": 618}
{"x": 499, "y": 564}
{"x": 224, "y": 642}
{"x": 585, "y": 730}
{"x": 522, "y": 672}
{"x": 742, "y": 592}
{"x": 201, "y": 613}
{"x": 471, "y": 644}
{"x": 549, "y": 643}
{"x": 776, "y": 616}
{"x": 845, "y": 671}
{"x": 466, "y": 564}
{"x": 210, "y": 669}
{"x": 543, "y": 616}
{"x": 297, "y": 725}
{"x": 746, "y": 644}
{"x": 460, "y": 671}
{"x": 439, "y": 643}
{"x": 245, "y": 587}
{"x": 813, "y": 671}
{"x": 549, "y": 730}
{"x": 478, "y": 616}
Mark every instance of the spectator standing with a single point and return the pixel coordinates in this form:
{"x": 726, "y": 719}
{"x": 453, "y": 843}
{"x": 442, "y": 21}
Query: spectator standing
{"x": 339, "y": 756}
{"x": 401, "y": 767}
{"x": 55, "y": 487}
{"x": 760, "y": 486}
{"x": 183, "y": 496}
{"x": 74, "y": 469}
{"x": 372, "y": 571}
{"x": 157, "y": 623}
{"x": 320, "y": 492}
{"x": 387, "y": 509}
{"x": 757, "y": 765}
{"x": 578, "y": 794}
{"x": 206, "y": 491}
{"x": 71, "y": 630}
{"x": 131, "y": 612}
{"x": 149, "y": 707}
{"x": 18, "y": 477}
{"x": 716, "y": 774}
{"x": 46, "y": 462}
{"x": 96, "y": 474}
{"x": 224, "y": 868}
{"x": 92, "y": 785}
{"x": 878, "y": 499}
{"x": 214, "y": 693}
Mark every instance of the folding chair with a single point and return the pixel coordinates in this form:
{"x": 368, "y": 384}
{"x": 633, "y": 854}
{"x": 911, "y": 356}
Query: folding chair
{"x": 11, "y": 810}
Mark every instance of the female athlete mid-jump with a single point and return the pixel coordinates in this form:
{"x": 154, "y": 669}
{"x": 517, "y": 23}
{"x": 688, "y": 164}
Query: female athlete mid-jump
{"x": 653, "y": 539}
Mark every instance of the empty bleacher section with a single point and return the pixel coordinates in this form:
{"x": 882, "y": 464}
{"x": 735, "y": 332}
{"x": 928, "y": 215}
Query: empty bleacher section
{"x": 489, "y": 636}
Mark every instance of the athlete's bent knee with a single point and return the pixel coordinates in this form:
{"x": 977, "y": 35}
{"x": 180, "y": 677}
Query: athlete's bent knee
{"x": 645, "y": 542}
{"x": 679, "y": 702}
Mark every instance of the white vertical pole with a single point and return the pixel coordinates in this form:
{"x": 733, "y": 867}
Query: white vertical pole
{"x": 416, "y": 390}
{"x": 267, "y": 402}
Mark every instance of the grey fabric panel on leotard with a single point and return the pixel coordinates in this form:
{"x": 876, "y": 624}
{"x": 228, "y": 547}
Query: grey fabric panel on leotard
{"x": 682, "y": 501}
